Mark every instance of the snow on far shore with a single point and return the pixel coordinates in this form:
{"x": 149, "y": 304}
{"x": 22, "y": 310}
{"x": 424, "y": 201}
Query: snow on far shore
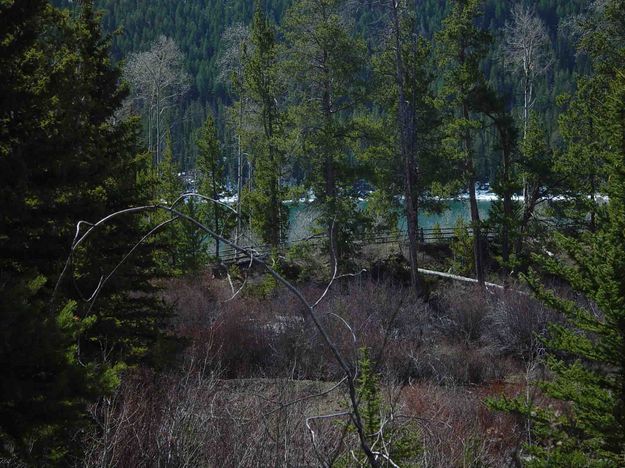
{"x": 481, "y": 195}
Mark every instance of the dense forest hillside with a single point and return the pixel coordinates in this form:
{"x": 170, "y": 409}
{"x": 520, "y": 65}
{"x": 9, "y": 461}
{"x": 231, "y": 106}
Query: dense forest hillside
{"x": 197, "y": 27}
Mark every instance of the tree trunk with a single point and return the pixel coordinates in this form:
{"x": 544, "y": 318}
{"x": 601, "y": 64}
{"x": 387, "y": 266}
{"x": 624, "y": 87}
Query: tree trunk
{"x": 412, "y": 221}
{"x": 528, "y": 213}
{"x": 331, "y": 202}
{"x": 150, "y": 147}
{"x": 593, "y": 201}
{"x": 475, "y": 213}
{"x": 477, "y": 233}
{"x": 239, "y": 172}
{"x": 507, "y": 212}
{"x": 407, "y": 135}
{"x": 330, "y": 171}
{"x": 237, "y": 234}
{"x": 215, "y": 214}
{"x": 158, "y": 126}
{"x": 274, "y": 214}
{"x": 527, "y": 96}
{"x": 507, "y": 142}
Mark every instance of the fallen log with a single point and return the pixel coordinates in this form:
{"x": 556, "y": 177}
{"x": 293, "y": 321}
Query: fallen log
{"x": 459, "y": 278}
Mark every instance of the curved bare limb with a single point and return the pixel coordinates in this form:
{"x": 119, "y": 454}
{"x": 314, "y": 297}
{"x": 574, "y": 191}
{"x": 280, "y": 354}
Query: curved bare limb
{"x": 309, "y": 308}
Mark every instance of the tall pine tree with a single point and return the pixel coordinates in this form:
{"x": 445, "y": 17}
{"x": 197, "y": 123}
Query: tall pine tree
{"x": 406, "y": 161}
{"x": 64, "y": 158}
{"x": 262, "y": 87}
{"x": 210, "y": 166}
{"x": 326, "y": 63}
{"x": 463, "y": 45}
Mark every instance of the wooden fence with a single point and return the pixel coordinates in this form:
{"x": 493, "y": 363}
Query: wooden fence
{"x": 426, "y": 236}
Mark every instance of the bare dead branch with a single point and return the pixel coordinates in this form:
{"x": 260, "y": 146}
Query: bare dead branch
{"x": 153, "y": 231}
{"x": 309, "y": 397}
{"x": 310, "y": 309}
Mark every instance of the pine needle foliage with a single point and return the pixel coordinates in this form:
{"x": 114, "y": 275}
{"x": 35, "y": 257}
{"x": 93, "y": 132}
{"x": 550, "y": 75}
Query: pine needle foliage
{"x": 65, "y": 157}
{"x": 263, "y": 89}
{"x": 397, "y": 440}
{"x": 585, "y": 423}
{"x": 211, "y": 175}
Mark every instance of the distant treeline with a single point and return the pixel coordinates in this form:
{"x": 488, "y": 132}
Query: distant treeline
{"x": 197, "y": 27}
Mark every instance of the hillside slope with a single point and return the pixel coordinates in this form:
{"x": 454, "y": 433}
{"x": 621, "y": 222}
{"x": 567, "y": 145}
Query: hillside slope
{"x": 197, "y": 27}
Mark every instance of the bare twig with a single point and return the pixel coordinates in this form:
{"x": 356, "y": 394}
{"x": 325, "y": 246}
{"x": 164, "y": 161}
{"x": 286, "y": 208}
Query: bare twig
{"x": 351, "y": 330}
{"x": 238, "y": 291}
{"x": 202, "y": 197}
{"x": 78, "y": 239}
{"x": 310, "y": 309}
{"x": 325, "y": 416}
{"x": 309, "y": 397}
{"x": 153, "y": 231}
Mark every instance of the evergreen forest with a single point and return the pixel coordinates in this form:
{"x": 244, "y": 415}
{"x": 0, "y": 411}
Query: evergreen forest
{"x": 312, "y": 233}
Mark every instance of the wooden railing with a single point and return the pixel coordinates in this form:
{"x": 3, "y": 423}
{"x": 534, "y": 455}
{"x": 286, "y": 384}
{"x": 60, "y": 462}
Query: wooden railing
{"x": 426, "y": 236}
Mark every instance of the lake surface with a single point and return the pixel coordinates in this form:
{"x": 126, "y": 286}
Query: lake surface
{"x": 302, "y": 217}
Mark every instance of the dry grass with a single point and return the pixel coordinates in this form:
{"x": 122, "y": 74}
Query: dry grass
{"x": 255, "y": 373}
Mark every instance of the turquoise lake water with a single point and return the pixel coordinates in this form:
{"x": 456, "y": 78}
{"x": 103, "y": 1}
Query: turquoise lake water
{"x": 303, "y": 216}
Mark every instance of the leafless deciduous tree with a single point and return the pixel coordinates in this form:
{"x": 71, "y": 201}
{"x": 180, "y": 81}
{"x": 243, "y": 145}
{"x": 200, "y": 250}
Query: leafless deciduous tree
{"x": 234, "y": 43}
{"x": 157, "y": 80}
{"x": 579, "y": 27}
{"x": 527, "y": 51}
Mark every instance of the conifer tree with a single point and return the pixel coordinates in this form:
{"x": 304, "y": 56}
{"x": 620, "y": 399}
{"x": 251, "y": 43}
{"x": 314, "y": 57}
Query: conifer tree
{"x": 180, "y": 247}
{"x": 43, "y": 389}
{"x": 502, "y": 213}
{"x": 210, "y": 166}
{"x": 64, "y": 158}
{"x": 403, "y": 445}
{"x": 235, "y": 42}
{"x": 169, "y": 185}
{"x": 582, "y": 165}
{"x": 326, "y": 63}
{"x": 587, "y": 351}
{"x": 262, "y": 88}
{"x": 462, "y": 47}
{"x": 167, "y": 189}
{"x": 130, "y": 318}
{"x": 406, "y": 162}
{"x": 536, "y": 170}
{"x": 505, "y": 187}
